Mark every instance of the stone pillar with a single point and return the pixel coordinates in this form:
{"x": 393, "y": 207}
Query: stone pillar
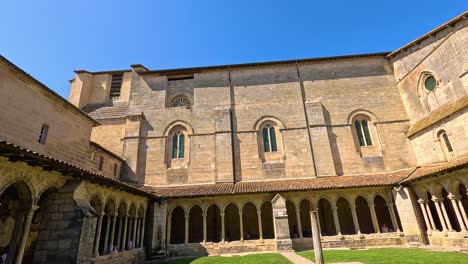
{"x": 281, "y": 225}
{"x": 429, "y": 214}
{"x": 426, "y": 219}
{"x": 336, "y": 220}
{"x": 355, "y": 219}
{"x": 204, "y": 227}
{"x": 375, "y": 221}
{"x": 439, "y": 212}
{"x": 393, "y": 217}
{"x": 24, "y": 234}
{"x": 223, "y": 229}
{"x": 134, "y": 232}
{"x": 187, "y": 218}
{"x": 453, "y": 200}
{"x": 124, "y": 233}
{"x": 15, "y": 236}
{"x": 168, "y": 236}
{"x": 298, "y": 220}
{"x": 142, "y": 236}
{"x": 407, "y": 206}
{"x": 462, "y": 210}
{"x": 98, "y": 235}
{"x": 137, "y": 239}
{"x": 316, "y": 237}
{"x": 241, "y": 226}
{"x": 119, "y": 235}
{"x": 260, "y": 229}
{"x": 106, "y": 236}
{"x": 446, "y": 217}
{"x": 114, "y": 219}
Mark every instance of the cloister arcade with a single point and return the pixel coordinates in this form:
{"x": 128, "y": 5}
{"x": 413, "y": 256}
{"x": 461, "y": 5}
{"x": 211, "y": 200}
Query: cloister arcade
{"x": 250, "y": 217}
{"x": 444, "y": 206}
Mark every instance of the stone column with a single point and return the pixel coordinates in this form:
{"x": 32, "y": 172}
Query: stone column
{"x": 204, "y": 227}
{"x": 316, "y": 237}
{"x": 114, "y": 219}
{"x": 106, "y": 236}
{"x": 462, "y": 210}
{"x": 260, "y": 229}
{"x": 426, "y": 219}
{"x": 375, "y": 221}
{"x": 142, "y": 236}
{"x": 134, "y": 232}
{"x": 281, "y": 225}
{"x": 355, "y": 219}
{"x": 393, "y": 217}
{"x": 447, "y": 219}
{"x": 124, "y": 233}
{"x": 119, "y": 235}
{"x": 98, "y": 235}
{"x": 24, "y": 234}
{"x": 429, "y": 214}
{"x": 439, "y": 212}
{"x": 187, "y": 218}
{"x": 223, "y": 231}
{"x": 137, "y": 239}
{"x": 241, "y": 226}
{"x": 168, "y": 236}
{"x": 457, "y": 211}
{"x": 298, "y": 220}
{"x": 336, "y": 220}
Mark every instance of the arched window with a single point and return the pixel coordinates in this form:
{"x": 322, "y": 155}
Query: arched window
{"x": 430, "y": 83}
{"x": 362, "y": 131}
{"x": 269, "y": 139}
{"x": 445, "y": 144}
{"x": 181, "y": 100}
{"x": 178, "y": 145}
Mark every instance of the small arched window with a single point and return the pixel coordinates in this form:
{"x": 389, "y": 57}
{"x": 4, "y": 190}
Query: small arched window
{"x": 362, "y": 132}
{"x": 430, "y": 83}
{"x": 269, "y": 139}
{"x": 178, "y": 145}
{"x": 43, "y": 134}
{"x": 181, "y": 100}
{"x": 445, "y": 144}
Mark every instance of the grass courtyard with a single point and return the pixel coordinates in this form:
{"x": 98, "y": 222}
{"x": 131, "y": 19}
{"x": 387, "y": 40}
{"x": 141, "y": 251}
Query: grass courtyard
{"x": 370, "y": 256}
{"x": 390, "y": 256}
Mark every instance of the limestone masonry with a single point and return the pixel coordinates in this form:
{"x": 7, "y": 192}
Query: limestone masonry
{"x": 145, "y": 164}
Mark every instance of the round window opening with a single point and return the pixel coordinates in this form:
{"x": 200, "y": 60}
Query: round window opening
{"x": 430, "y": 83}
{"x": 180, "y": 101}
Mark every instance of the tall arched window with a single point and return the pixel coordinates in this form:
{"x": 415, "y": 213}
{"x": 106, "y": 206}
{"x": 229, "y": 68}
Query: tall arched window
{"x": 178, "y": 145}
{"x": 269, "y": 139}
{"x": 362, "y": 131}
{"x": 445, "y": 144}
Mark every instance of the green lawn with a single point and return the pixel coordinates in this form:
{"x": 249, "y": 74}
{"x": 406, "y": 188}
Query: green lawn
{"x": 247, "y": 259}
{"x": 390, "y": 255}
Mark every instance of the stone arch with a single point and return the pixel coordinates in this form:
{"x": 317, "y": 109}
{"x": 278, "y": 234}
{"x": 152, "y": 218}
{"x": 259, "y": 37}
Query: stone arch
{"x": 177, "y": 225}
{"x": 231, "y": 222}
{"x": 176, "y": 123}
{"x": 325, "y": 212}
{"x": 382, "y": 212}
{"x": 365, "y": 112}
{"x": 463, "y": 204}
{"x": 364, "y": 215}
{"x": 433, "y": 212}
{"x": 267, "y": 220}
{"x": 250, "y": 221}
{"x": 345, "y": 216}
{"x": 304, "y": 212}
{"x": 292, "y": 219}
{"x": 437, "y": 190}
{"x": 26, "y": 190}
{"x": 268, "y": 118}
{"x": 195, "y": 224}
{"x": 213, "y": 223}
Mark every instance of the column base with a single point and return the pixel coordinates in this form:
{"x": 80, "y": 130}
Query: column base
{"x": 283, "y": 245}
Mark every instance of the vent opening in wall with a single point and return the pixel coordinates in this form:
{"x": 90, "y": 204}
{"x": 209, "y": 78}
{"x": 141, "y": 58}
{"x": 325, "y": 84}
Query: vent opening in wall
{"x": 43, "y": 134}
{"x": 116, "y": 85}
{"x": 181, "y": 100}
{"x": 180, "y": 77}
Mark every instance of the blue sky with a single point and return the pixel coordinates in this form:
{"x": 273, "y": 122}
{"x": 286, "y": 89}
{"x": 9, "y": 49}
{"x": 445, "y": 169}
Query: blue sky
{"x": 50, "y": 39}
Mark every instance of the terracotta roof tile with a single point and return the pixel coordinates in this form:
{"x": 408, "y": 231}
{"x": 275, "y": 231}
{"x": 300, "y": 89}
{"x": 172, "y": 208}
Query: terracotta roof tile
{"x": 436, "y": 169}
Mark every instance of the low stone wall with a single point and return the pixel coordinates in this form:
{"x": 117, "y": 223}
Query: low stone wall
{"x": 351, "y": 241}
{"x": 451, "y": 239}
{"x": 198, "y": 249}
{"x": 132, "y": 256}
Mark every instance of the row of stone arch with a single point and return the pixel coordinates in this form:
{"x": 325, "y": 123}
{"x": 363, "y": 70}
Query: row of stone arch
{"x": 444, "y": 208}
{"x": 119, "y": 227}
{"x": 239, "y": 222}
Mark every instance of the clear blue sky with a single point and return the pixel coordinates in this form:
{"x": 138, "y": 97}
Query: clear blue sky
{"x": 50, "y": 39}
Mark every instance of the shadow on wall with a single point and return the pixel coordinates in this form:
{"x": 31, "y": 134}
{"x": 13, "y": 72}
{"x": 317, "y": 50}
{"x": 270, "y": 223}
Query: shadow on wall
{"x": 333, "y": 144}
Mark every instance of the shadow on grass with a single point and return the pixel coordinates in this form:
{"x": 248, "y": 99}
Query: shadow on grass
{"x": 268, "y": 258}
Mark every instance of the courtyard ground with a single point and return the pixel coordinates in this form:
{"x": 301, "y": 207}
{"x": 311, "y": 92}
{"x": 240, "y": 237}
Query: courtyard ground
{"x": 270, "y": 258}
{"x": 391, "y": 256}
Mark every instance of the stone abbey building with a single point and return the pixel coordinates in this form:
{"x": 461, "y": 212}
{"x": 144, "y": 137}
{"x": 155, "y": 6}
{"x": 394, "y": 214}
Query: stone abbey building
{"x": 233, "y": 158}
